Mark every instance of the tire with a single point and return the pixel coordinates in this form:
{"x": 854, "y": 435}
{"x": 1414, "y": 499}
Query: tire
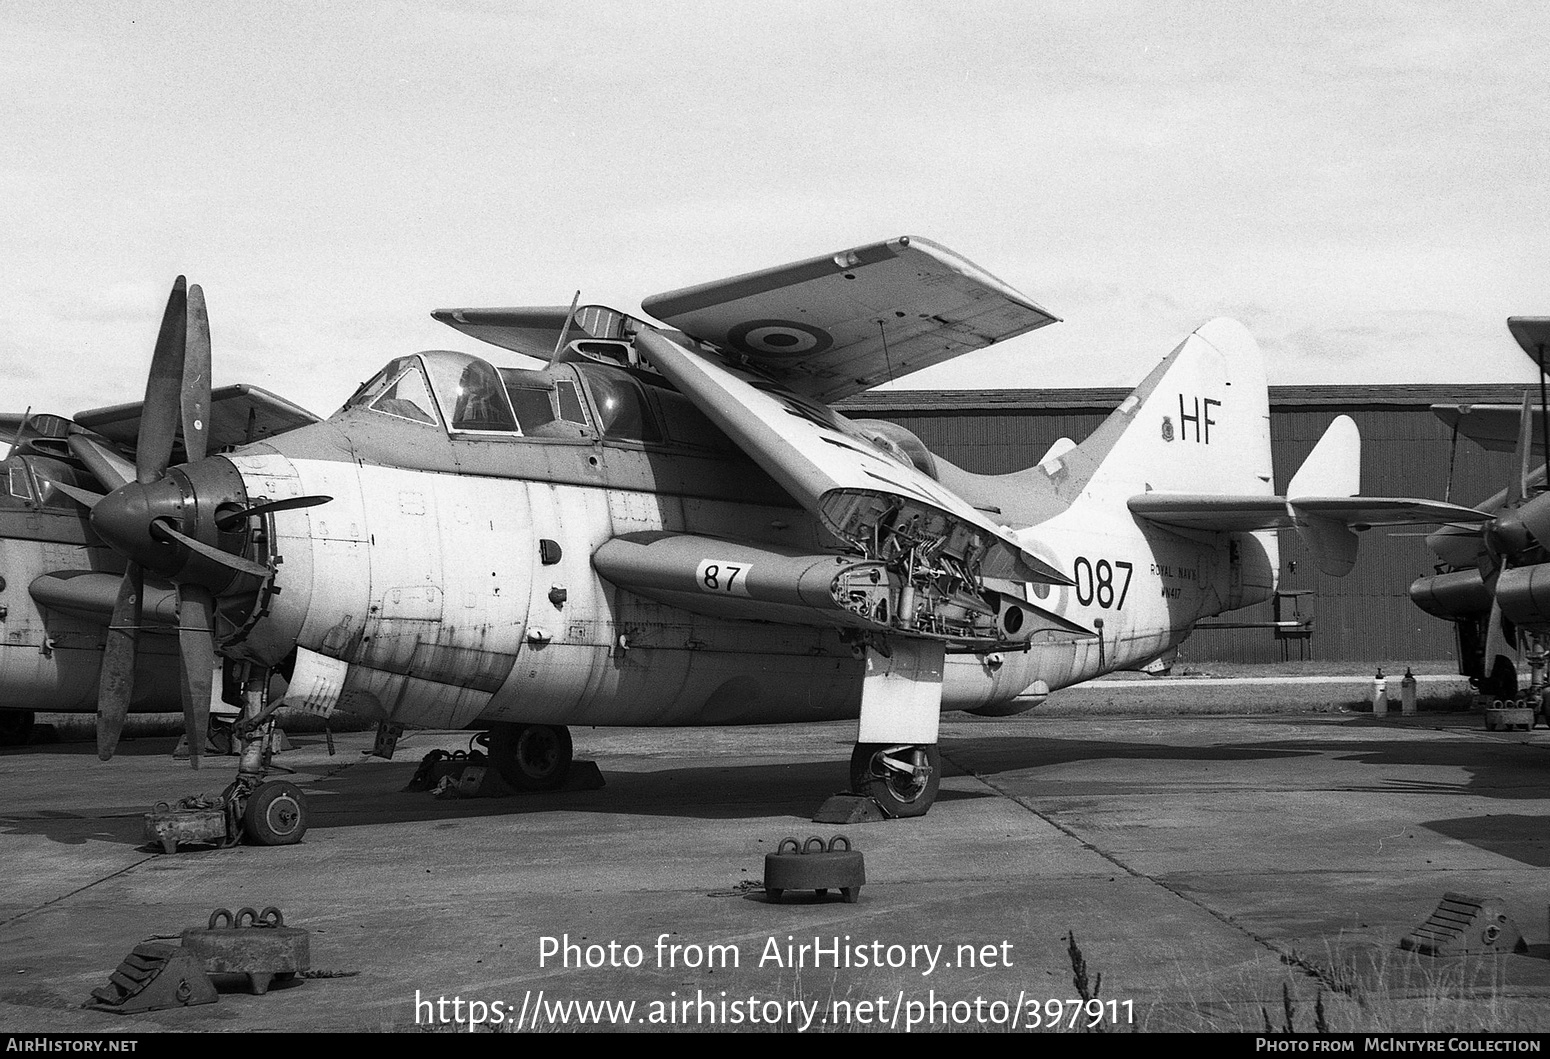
{"x": 531, "y": 757}
{"x": 15, "y": 727}
{"x": 1503, "y": 681}
{"x": 276, "y": 815}
{"x": 901, "y": 794}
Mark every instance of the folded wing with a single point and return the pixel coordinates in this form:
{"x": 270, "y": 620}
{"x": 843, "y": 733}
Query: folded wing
{"x": 833, "y": 326}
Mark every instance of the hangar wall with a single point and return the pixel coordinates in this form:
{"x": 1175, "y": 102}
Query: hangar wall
{"x": 1365, "y": 616}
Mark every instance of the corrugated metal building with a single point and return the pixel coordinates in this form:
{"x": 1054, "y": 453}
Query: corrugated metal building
{"x": 1406, "y": 451}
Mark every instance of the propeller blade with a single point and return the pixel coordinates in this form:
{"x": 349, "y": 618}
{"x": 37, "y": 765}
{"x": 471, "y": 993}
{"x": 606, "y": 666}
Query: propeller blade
{"x": 196, "y": 652}
{"x": 226, "y": 559}
{"x": 1496, "y": 643}
{"x": 1524, "y": 450}
{"x": 196, "y": 377}
{"x": 163, "y": 389}
{"x": 116, "y": 683}
{"x": 233, "y": 520}
{"x": 109, "y": 468}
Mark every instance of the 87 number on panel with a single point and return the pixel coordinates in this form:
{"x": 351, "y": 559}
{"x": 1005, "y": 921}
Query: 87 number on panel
{"x": 722, "y": 576}
{"x": 1095, "y": 582}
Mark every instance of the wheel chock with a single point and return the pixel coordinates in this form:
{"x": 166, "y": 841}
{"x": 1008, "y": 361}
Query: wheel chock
{"x": 1463, "y": 926}
{"x": 1509, "y": 717}
{"x": 193, "y": 821}
{"x": 257, "y": 944}
{"x": 849, "y": 809}
{"x": 155, "y": 976}
{"x": 812, "y": 865}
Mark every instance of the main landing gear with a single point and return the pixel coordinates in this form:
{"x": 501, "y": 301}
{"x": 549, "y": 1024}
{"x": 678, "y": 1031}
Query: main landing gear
{"x": 902, "y": 778}
{"x": 15, "y": 727}
{"x": 531, "y": 757}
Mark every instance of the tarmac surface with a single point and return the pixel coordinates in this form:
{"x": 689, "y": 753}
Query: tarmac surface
{"x": 1217, "y": 869}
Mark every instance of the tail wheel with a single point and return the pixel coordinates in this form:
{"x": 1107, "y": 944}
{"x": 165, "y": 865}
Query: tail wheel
{"x": 903, "y": 779}
{"x": 276, "y": 815}
{"x": 531, "y": 757}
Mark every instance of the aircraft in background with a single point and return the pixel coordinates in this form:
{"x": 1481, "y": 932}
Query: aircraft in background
{"x": 670, "y": 525}
{"x": 55, "y": 573}
{"x": 1493, "y": 577}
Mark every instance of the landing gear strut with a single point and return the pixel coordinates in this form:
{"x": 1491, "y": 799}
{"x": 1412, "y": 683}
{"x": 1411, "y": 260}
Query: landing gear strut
{"x": 274, "y": 813}
{"x": 902, "y": 778}
{"x": 531, "y": 757}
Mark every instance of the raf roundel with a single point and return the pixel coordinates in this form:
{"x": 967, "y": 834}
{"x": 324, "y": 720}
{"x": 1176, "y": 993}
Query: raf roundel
{"x": 779, "y": 338}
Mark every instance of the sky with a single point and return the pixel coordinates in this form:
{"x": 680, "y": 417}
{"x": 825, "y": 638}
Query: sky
{"x": 1363, "y": 185}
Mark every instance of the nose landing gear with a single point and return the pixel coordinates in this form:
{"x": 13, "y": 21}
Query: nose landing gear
{"x": 265, "y": 813}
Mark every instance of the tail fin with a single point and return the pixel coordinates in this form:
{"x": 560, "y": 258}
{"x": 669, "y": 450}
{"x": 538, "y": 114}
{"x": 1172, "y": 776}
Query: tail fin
{"x": 1333, "y": 469}
{"x": 1199, "y": 423}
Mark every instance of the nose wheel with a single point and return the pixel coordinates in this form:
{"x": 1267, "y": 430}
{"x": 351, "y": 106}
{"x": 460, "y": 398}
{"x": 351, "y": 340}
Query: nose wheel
{"x": 903, "y": 779}
{"x": 276, "y": 814}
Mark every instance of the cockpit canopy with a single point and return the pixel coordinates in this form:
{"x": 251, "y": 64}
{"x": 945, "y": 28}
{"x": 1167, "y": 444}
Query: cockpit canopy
{"x": 584, "y": 396}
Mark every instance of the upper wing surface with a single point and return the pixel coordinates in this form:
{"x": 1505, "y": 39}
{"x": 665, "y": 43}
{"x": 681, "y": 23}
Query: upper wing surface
{"x": 1494, "y": 427}
{"x": 833, "y": 326}
{"x": 239, "y": 414}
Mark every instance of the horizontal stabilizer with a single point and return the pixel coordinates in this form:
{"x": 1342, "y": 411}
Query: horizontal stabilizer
{"x": 1326, "y": 522}
{"x": 1240, "y": 514}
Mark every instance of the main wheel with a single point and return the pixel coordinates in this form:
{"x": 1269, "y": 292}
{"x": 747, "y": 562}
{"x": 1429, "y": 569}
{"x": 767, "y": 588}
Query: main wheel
{"x": 15, "y": 727}
{"x": 276, "y": 814}
{"x": 531, "y": 757}
{"x": 902, "y": 779}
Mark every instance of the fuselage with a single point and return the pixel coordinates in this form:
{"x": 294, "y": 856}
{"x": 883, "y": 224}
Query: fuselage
{"x": 451, "y": 579}
{"x": 50, "y": 635}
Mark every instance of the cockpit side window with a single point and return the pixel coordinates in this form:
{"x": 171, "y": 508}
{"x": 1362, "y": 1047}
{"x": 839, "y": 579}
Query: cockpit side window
{"x": 531, "y": 397}
{"x": 570, "y": 402}
{"x": 622, "y": 407}
{"x": 481, "y": 400}
{"x": 18, "y": 481}
{"x": 45, "y": 472}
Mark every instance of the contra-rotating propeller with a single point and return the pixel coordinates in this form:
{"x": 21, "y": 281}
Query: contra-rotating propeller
{"x": 184, "y": 524}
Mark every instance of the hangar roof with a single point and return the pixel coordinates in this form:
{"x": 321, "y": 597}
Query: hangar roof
{"x": 1411, "y": 397}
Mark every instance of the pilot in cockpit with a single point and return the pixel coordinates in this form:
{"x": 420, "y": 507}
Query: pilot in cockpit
{"x": 481, "y": 400}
